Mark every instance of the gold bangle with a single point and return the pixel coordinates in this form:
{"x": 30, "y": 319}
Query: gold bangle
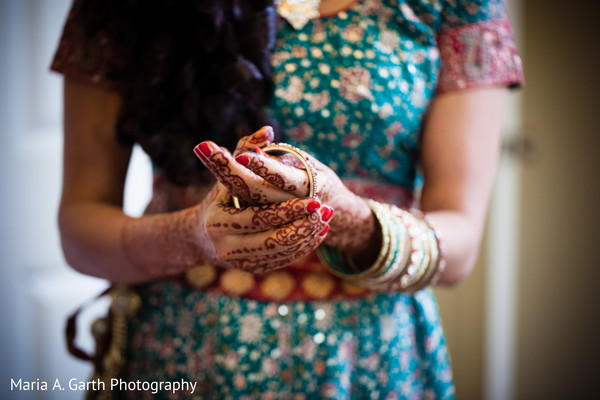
{"x": 438, "y": 269}
{"x": 374, "y": 269}
{"x": 438, "y": 261}
{"x": 303, "y": 157}
{"x": 426, "y": 279}
{"x": 401, "y": 252}
{"x": 426, "y": 262}
{"x": 379, "y": 271}
{"x": 416, "y": 252}
{"x": 387, "y": 244}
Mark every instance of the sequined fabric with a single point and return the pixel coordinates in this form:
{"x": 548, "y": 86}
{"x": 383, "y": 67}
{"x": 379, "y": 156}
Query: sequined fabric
{"x": 361, "y": 82}
{"x": 353, "y": 89}
{"x": 380, "y": 347}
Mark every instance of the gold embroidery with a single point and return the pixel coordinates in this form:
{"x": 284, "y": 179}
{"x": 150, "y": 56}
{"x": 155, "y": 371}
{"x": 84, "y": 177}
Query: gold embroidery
{"x": 277, "y": 285}
{"x": 237, "y": 282}
{"x": 352, "y": 289}
{"x": 201, "y": 276}
{"x": 318, "y": 286}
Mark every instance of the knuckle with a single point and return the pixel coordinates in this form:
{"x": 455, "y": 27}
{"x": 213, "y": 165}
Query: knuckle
{"x": 212, "y": 231}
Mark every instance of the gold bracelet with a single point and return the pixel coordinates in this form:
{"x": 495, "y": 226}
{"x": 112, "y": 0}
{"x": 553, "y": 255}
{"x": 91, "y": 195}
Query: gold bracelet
{"x": 303, "y": 157}
{"x": 400, "y": 260}
{"x": 416, "y": 252}
{"x": 374, "y": 280}
{"x": 435, "y": 263}
{"x": 438, "y": 261}
{"x": 424, "y": 266}
{"x": 328, "y": 259}
{"x": 386, "y": 243}
{"x": 438, "y": 269}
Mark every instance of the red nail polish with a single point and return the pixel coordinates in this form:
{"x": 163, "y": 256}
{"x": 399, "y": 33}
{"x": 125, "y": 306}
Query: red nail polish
{"x": 312, "y": 206}
{"x": 326, "y": 213}
{"x": 260, "y": 151}
{"x": 324, "y": 231}
{"x": 204, "y": 149}
{"x": 243, "y": 159}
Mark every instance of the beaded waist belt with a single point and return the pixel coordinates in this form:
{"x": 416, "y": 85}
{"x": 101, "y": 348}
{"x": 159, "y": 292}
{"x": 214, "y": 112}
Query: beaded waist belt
{"x": 306, "y": 279}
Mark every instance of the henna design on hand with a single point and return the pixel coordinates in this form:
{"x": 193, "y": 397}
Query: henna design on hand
{"x": 290, "y": 179}
{"x": 240, "y": 181}
{"x": 221, "y": 167}
{"x": 278, "y": 247}
{"x": 278, "y": 214}
{"x": 258, "y": 167}
{"x": 353, "y": 226}
{"x": 260, "y": 218}
{"x": 260, "y": 138}
{"x": 286, "y": 177}
{"x": 183, "y": 242}
{"x": 262, "y": 238}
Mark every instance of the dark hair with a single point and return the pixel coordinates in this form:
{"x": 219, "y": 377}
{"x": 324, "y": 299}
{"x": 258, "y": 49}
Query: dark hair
{"x": 188, "y": 70}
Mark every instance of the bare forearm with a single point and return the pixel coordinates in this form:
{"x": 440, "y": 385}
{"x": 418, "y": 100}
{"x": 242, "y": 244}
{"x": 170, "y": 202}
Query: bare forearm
{"x": 461, "y": 239}
{"x": 100, "y": 240}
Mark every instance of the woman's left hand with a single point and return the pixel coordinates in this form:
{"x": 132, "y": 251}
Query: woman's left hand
{"x": 353, "y": 226}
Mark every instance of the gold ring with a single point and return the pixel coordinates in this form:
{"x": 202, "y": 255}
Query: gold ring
{"x": 313, "y": 184}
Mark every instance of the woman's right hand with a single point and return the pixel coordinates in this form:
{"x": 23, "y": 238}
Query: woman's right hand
{"x": 260, "y": 238}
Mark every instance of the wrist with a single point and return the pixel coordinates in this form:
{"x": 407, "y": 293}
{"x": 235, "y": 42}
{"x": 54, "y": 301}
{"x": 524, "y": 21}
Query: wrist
{"x": 354, "y": 228}
{"x": 365, "y": 255}
{"x": 410, "y": 256}
{"x": 164, "y": 244}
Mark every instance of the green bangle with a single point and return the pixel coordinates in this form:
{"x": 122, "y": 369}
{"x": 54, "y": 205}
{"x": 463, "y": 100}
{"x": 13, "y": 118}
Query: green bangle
{"x": 331, "y": 260}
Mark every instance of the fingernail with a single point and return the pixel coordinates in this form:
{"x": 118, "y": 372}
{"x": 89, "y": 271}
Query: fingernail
{"x": 312, "y": 206}
{"x": 260, "y": 151}
{"x": 326, "y": 213}
{"x": 324, "y": 231}
{"x": 270, "y": 132}
{"x": 243, "y": 159}
{"x": 203, "y": 149}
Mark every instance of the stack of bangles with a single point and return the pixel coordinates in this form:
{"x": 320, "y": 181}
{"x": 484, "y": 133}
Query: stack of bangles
{"x": 411, "y": 256}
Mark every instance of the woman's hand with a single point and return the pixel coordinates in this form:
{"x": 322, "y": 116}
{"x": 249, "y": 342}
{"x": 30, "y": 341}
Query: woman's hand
{"x": 352, "y": 227}
{"x": 261, "y": 238}
{"x": 276, "y": 230}
{"x": 249, "y": 187}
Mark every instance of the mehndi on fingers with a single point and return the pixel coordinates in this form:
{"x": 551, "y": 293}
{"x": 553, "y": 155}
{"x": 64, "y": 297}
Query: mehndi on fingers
{"x": 239, "y": 181}
{"x": 302, "y": 157}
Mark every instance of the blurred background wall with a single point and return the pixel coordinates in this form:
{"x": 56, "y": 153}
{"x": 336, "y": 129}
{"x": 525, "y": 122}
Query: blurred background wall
{"x": 37, "y": 289}
{"x": 547, "y": 199}
{"x": 559, "y": 299}
{"x": 523, "y": 326}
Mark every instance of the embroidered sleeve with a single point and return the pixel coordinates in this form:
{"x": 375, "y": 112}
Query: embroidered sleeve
{"x": 82, "y": 56}
{"x": 477, "y": 47}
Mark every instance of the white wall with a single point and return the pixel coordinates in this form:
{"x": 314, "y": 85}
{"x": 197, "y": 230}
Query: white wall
{"x": 37, "y": 289}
